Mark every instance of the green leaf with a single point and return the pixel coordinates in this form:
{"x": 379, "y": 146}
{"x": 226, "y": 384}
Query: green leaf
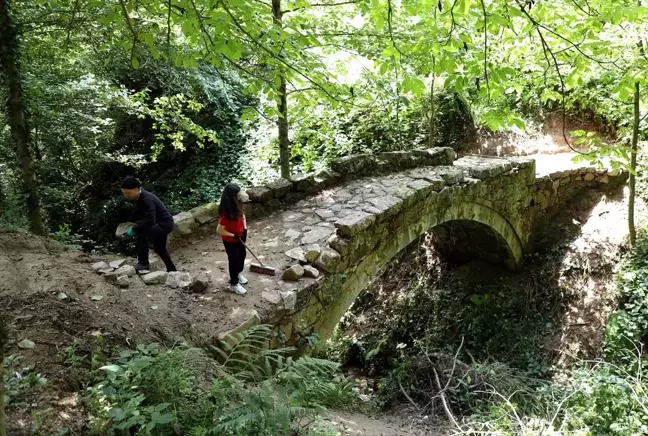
{"x": 414, "y": 85}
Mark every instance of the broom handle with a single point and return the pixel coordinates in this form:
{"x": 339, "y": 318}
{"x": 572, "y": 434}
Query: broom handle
{"x": 252, "y": 253}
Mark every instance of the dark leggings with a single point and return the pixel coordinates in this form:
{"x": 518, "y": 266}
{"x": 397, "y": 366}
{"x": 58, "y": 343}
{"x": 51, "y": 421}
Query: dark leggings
{"x": 236, "y": 257}
{"x": 157, "y": 235}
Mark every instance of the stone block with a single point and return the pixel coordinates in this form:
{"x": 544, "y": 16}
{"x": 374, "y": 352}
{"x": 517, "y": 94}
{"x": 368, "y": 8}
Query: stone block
{"x": 311, "y": 272}
{"x": 289, "y": 299}
{"x": 589, "y": 177}
{"x": 280, "y": 187}
{"x": 340, "y": 244}
{"x": 271, "y": 297}
{"x": 259, "y": 193}
{"x": 230, "y": 336}
{"x": 386, "y": 204}
{"x": 184, "y": 223}
{"x": 155, "y": 278}
{"x": 403, "y": 192}
{"x": 396, "y": 160}
{"x": 316, "y": 234}
{"x": 328, "y": 260}
{"x": 451, "y": 175}
{"x": 426, "y": 152}
{"x": 293, "y": 273}
{"x": 206, "y": 213}
{"x": 100, "y": 266}
{"x": 123, "y": 228}
{"x": 324, "y": 213}
{"x": 355, "y": 164}
{"x": 111, "y": 277}
{"x": 355, "y": 222}
{"x": 117, "y": 263}
{"x": 297, "y": 253}
{"x": 126, "y": 270}
{"x": 312, "y": 252}
{"x": 483, "y": 168}
{"x": 200, "y": 282}
{"x": 326, "y": 178}
{"x": 178, "y": 280}
{"x": 450, "y": 156}
{"x": 304, "y": 183}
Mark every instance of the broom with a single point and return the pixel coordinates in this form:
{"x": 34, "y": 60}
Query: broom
{"x": 260, "y": 267}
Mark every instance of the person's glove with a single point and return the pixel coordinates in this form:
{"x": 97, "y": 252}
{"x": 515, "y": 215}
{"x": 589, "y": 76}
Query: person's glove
{"x": 130, "y": 233}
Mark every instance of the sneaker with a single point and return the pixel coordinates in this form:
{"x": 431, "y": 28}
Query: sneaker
{"x": 238, "y": 289}
{"x": 242, "y": 279}
{"x": 142, "y": 269}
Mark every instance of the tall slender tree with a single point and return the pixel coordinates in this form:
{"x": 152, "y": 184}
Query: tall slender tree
{"x": 17, "y": 116}
{"x": 3, "y": 343}
{"x": 282, "y": 105}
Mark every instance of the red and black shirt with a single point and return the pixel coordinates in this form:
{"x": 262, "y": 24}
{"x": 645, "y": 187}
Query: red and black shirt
{"x": 232, "y": 226}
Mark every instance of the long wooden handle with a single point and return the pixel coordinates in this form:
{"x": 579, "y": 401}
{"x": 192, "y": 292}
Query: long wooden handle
{"x": 251, "y": 252}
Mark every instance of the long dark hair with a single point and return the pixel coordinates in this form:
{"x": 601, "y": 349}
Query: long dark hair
{"x": 230, "y": 205}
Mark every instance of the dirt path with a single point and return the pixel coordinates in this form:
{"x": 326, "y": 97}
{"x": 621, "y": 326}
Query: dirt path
{"x": 397, "y": 423}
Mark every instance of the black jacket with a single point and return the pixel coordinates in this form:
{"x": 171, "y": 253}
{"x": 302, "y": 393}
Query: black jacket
{"x": 150, "y": 211}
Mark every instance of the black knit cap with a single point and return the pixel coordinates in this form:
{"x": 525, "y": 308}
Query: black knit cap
{"x": 131, "y": 182}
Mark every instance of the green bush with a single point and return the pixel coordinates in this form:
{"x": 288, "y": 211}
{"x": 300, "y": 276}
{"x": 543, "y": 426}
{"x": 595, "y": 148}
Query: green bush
{"x": 627, "y": 328}
{"x": 605, "y": 397}
{"x": 18, "y": 381}
{"x": 330, "y": 134}
{"x": 12, "y": 213}
{"x": 246, "y": 390}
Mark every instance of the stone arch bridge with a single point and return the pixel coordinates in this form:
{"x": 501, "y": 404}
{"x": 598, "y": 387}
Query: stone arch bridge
{"x": 345, "y": 226}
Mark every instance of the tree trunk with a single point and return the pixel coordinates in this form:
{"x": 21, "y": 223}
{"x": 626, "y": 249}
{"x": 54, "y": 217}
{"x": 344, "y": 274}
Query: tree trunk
{"x": 282, "y": 105}
{"x": 3, "y": 343}
{"x": 17, "y": 116}
{"x": 432, "y": 130}
{"x": 282, "y": 124}
{"x": 633, "y": 168}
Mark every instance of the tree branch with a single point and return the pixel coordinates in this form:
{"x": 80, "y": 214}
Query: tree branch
{"x": 391, "y": 32}
{"x": 567, "y": 40}
{"x": 486, "y": 48}
{"x": 273, "y": 55}
{"x": 168, "y": 35}
{"x": 130, "y": 26}
{"x": 322, "y": 5}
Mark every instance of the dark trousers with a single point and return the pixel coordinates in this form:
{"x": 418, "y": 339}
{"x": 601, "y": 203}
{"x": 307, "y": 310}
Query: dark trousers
{"x": 236, "y": 258}
{"x": 157, "y": 236}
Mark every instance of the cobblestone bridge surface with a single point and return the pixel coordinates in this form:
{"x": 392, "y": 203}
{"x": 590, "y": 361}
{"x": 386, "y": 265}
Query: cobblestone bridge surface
{"x": 329, "y": 234}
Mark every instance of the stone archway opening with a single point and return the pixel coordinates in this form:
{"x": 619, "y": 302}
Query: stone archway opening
{"x": 462, "y": 241}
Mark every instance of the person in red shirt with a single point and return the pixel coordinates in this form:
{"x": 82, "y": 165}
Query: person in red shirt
{"x": 232, "y": 227}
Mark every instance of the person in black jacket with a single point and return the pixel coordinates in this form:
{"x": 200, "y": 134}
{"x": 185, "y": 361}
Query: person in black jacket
{"x": 154, "y": 224}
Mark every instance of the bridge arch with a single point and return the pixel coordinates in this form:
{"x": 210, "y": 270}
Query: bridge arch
{"x": 340, "y": 294}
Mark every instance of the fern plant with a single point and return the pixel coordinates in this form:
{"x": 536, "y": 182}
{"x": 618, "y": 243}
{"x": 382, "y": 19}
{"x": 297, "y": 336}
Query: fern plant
{"x": 242, "y": 388}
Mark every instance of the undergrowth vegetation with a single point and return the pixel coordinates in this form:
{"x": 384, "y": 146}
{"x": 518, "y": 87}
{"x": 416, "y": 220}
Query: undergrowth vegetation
{"x": 476, "y": 353}
{"x": 242, "y": 388}
{"x": 19, "y": 381}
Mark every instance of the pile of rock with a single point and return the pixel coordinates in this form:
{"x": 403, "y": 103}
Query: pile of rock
{"x": 304, "y": 258}
{"x": 118, "y": 273}
{"x": 115, "y": 272}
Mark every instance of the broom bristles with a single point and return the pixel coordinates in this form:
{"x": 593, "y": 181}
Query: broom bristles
{"x": 262, "y": 269}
